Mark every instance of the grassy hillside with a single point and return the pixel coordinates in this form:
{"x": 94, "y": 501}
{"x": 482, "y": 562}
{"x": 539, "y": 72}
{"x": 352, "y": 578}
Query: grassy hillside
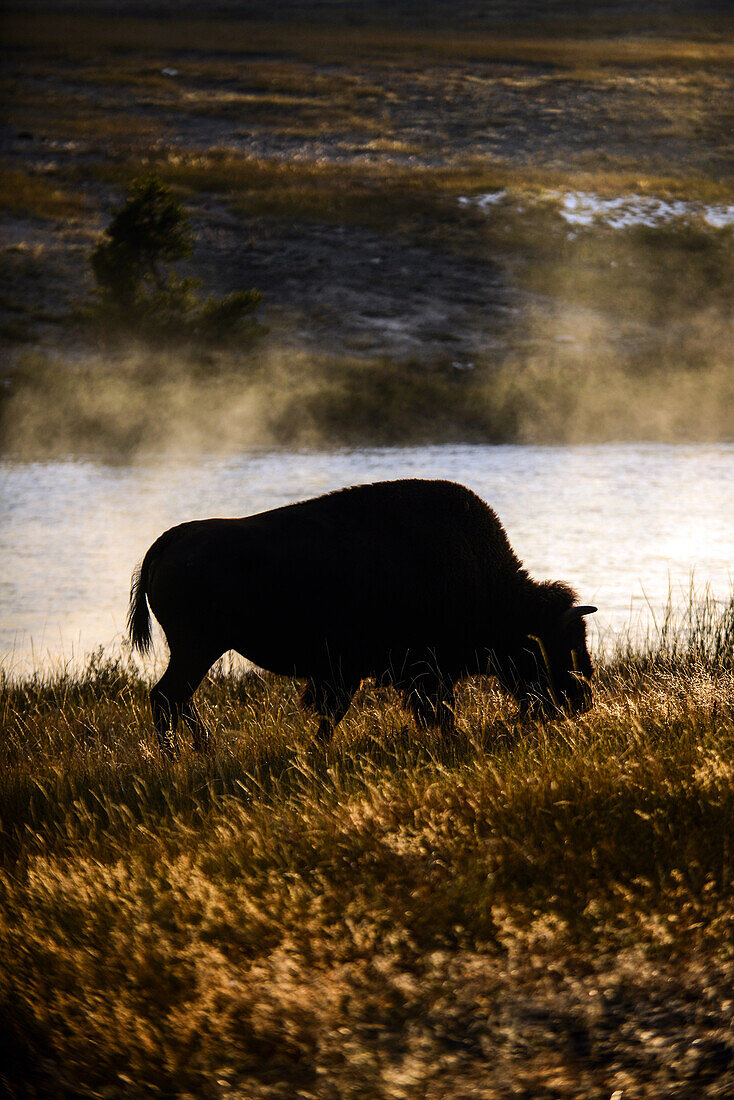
{"x": 539, "y": 911}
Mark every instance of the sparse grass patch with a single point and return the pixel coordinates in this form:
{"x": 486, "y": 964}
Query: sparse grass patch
{"x": 40, "y": 196}
{"x": 304, "y": 190}
{"x": 50, "y": 113}
{"x": 671, "y": 266}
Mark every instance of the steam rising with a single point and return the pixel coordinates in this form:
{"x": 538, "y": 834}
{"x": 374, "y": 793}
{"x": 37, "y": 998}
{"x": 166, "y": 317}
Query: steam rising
{"x": 620, "y": 329}
{"x": 566, "y": 375}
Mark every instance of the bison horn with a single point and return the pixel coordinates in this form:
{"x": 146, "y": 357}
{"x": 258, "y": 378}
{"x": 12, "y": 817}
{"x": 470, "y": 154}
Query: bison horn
{"x": 576, "y": 613}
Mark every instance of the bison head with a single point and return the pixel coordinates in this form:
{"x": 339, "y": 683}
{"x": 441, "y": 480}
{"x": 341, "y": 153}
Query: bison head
{"x": 554, "y": 668}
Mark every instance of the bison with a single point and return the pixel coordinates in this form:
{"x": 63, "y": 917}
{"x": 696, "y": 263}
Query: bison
{"x": 412, "y": 582}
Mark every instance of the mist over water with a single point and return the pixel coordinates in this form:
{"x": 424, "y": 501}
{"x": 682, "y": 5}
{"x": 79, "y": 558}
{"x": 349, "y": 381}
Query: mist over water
{"x": 625, "y": 524}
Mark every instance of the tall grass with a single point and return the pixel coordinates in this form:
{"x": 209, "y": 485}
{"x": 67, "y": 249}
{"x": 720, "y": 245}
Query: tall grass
{"x": 538, "y": 910}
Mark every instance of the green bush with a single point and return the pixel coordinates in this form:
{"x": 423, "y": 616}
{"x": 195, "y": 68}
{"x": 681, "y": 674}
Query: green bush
{"x": 150, "y": 229}
{"x": 136, "y": 286}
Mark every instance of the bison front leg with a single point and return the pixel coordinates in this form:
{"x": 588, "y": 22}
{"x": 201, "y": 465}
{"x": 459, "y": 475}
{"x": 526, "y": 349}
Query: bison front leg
{"x": 329, "y": 702}
{"x": 431, "y": 702}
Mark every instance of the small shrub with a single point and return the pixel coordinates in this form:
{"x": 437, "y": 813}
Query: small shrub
{"x": 149, "y": 230}
{"x": 137, "y": 287}
{"x": 230, "y": 314}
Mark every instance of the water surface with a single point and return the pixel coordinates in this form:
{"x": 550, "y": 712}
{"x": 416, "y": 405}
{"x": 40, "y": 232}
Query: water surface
{"x": 624, "y": 524}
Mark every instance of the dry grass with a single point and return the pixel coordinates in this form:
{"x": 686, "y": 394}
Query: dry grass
{"x": 537, "y": 911}
{"x": 39, "y": 196}
{"x": 349, "y": 192}
{"x": 365, "y": 83}
{"x": 78, "y": 117}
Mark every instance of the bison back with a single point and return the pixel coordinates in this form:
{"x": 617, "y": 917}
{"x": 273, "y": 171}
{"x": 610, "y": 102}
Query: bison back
{"x": 360, "y": 576}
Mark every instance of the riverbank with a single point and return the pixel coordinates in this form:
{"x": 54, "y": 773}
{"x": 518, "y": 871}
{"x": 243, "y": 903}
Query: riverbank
{"x": 544, "y": 909}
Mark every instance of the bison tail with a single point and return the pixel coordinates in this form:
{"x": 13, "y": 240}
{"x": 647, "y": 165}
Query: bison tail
{"x": 138, "y": 616}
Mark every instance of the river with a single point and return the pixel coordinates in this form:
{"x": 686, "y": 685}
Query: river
{"x": 625, "y": 524}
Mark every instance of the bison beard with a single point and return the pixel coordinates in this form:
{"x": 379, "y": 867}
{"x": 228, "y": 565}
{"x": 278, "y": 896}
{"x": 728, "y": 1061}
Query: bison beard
{"x": 411, "y": 582}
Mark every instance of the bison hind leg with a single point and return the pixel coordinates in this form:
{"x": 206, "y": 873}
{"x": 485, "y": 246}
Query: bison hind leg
{"x": 199, "y": 732}
{"x": 165, "y": 717}
{"x": 329, "y": 701}
{"x": 170, "y": 698}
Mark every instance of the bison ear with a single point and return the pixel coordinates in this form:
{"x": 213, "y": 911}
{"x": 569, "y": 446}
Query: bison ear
{"x": 576, "y": 613}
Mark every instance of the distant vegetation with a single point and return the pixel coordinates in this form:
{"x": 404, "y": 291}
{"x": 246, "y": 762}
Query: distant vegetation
{"x": 138, "y": 290}
{"x": 386, "y": 918}
{"x": 329, "y": 166}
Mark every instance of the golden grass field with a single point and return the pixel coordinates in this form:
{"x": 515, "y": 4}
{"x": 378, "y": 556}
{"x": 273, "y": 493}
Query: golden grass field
{"x": 537, "y": 910}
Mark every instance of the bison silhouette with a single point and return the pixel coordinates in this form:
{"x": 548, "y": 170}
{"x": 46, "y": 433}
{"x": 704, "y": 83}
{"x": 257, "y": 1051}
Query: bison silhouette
{"x": 412, "y": 582}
